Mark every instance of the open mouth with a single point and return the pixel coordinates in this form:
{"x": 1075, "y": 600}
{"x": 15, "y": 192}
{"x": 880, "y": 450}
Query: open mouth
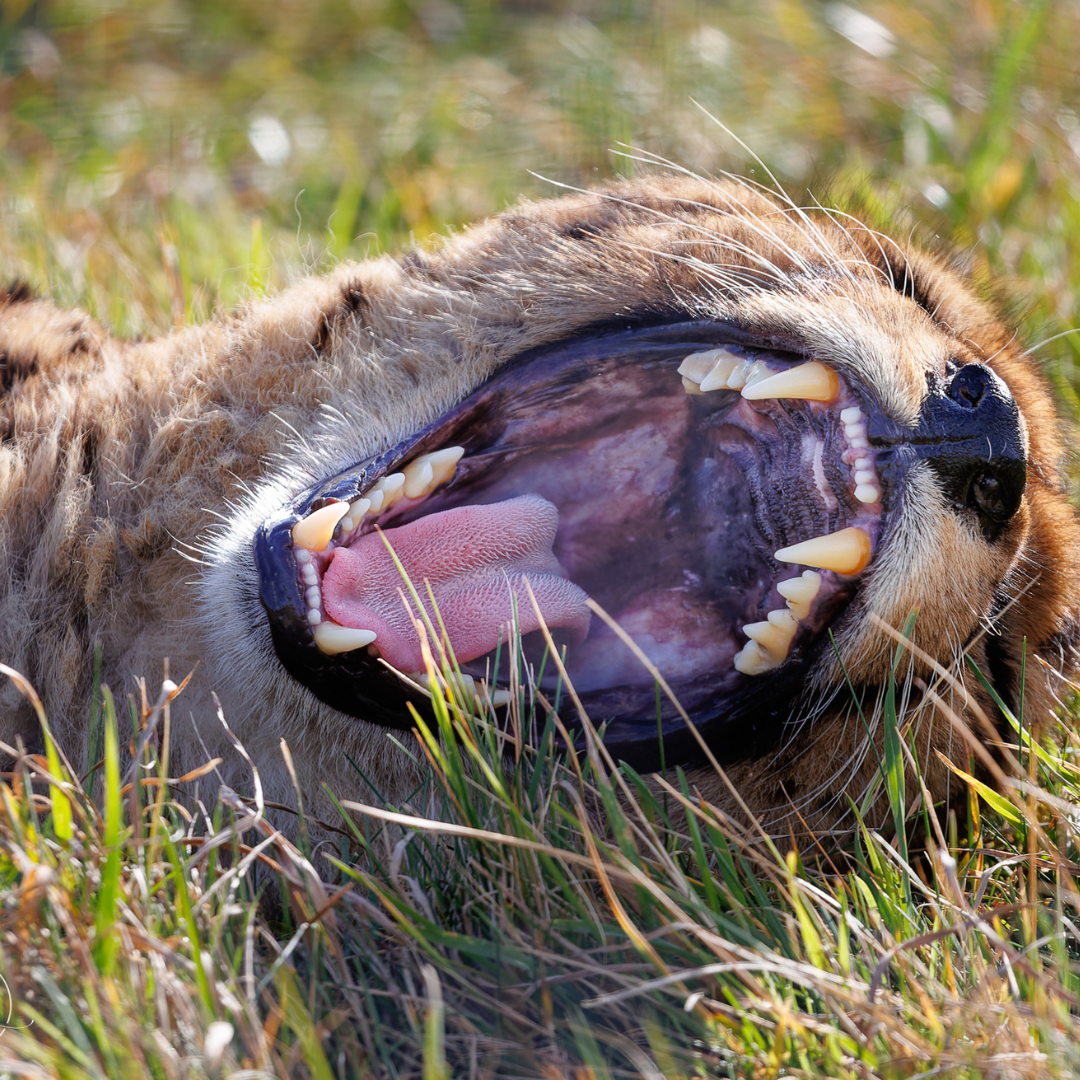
{"x": 718, "y": 499}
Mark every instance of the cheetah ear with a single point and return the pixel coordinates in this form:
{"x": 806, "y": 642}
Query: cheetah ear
{"x": 35, "y": 335}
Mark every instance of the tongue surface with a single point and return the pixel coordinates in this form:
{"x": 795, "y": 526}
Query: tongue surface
{"x": 476, "y": 559}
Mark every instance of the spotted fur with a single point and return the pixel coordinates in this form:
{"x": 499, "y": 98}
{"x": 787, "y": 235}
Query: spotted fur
{"x": 133, "y": 476}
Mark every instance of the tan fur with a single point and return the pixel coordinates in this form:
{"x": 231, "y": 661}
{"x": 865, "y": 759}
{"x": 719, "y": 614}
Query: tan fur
{"x": 133, "y": 476}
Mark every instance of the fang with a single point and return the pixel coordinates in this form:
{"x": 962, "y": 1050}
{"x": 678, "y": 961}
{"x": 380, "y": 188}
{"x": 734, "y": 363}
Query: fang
{"x": 811, "y": 381}
{"x": 317, "y": 530}
{"x": 845, "y": 552}
{"x": 333, "y": 639}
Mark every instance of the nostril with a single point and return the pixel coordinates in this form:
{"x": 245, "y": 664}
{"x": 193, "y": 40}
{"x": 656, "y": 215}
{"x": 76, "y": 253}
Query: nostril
{"x": 969, "y": 384}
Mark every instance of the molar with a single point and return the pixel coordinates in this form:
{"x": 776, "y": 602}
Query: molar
{"x": 712, "y": 370}
{"x": 355, "y": 516}
{"x": 697, "y": 365}
{"x": 800, "y": 592}
{"x": 386, "y": 492}
{"x": 752, "y": 659}
{"x": 775, "y": 634}
{"x": 465, "y": 684}
{"x": 419, "y": 478}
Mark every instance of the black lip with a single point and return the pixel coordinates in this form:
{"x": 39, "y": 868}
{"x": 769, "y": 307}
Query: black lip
{"x": 348, "y": 682}
{"x": 735, "y": 725}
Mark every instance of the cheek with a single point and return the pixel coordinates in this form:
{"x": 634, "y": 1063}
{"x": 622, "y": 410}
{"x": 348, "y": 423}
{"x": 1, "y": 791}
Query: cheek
{"x": 938, "y": 563}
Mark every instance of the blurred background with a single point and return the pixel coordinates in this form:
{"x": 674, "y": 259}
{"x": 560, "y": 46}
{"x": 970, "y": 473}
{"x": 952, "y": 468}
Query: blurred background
{"x": 162, "y": 159}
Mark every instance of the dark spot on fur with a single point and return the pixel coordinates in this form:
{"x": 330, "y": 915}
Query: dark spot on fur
{"x": 18, "y": 292}
{"x": 1063, "y": 649}
{"x": 353, "y": 297}
{"x": 83, "y": 338}
{"x": 13, "y": 369}
{"x": 353, "y": 305}
{"x": 89, "y": 453}
{"x": 580, "y": 232}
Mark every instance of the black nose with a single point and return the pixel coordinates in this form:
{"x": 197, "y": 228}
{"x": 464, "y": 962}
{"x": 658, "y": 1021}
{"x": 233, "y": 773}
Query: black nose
{"x": 971, "y": 436}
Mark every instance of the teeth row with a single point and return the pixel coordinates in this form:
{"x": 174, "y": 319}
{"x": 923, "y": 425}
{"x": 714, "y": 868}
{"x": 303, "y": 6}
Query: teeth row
{"x": 859, "y": 455}
{"x": 845, "y": 552}
{"x": 719, "y": 369}
{"x": 420, "y": 478}
{"x": 770, "y": 641}
{"x": 312, "y": 536}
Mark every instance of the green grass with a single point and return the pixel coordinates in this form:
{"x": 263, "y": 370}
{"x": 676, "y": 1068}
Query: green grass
{"x": 546, "y": 917}
{"x": 528, "y": 914}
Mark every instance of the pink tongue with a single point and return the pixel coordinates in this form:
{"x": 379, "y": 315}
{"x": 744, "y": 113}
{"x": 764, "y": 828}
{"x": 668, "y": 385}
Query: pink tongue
{"x": 476, "y": 559}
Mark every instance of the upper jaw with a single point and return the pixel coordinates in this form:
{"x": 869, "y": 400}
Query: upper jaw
{"x": 781, "y": 617}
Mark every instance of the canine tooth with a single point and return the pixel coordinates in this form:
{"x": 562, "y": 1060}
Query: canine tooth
{"x": 800, "y": 592}
{"x": 851, "y": 415}
{"x": 419, "y": 478}
{"x": 752, "y": 659}
{"x": 807, "y": 382}
{"x": 867, "y": 493}
{"x": 697, "y": 365}
{"x": 317, "y": 529}
{"x": 332, "y": 638}
{"x": 775, "y": 634}
{"x": 843, "y": 552}
{"x": 865, "y": 476}
{"x": 725, "y": 369}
